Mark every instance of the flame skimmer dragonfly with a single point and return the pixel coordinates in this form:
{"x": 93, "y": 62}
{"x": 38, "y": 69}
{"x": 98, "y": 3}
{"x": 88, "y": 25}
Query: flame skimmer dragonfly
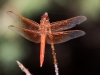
{"x": 46, "y": 32}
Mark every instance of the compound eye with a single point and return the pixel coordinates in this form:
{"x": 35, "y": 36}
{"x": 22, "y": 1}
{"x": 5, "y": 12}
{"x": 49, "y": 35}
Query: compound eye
{"x": 45, "y": 16}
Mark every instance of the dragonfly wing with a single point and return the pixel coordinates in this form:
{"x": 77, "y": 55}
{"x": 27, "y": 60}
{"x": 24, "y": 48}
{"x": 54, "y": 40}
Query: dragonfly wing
{"x": 24, "y": 22}
{"x": 60, "y": 37}
{"x": 67, "y": 24}
{"x": 31, "y": 35}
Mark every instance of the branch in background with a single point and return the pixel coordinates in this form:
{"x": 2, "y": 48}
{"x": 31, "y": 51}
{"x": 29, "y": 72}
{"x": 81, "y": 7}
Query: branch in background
{"x": 27, "y": 71}
{"x": 23, "y": 68}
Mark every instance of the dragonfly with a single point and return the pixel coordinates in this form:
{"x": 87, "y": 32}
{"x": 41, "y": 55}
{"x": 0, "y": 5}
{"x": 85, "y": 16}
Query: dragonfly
{"x": 46, "y": 32}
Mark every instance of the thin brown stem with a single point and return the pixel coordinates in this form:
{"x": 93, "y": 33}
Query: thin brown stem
{"x": 54, "y": 55}
{"x": 55, "y": 59}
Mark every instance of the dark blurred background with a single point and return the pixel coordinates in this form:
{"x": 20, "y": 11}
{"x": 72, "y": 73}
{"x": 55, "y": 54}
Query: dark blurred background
{"x": 80, "y": 56}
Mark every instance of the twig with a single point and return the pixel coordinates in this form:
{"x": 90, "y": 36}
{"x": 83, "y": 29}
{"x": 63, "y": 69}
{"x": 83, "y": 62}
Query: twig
{"x": 23, "y": 68}
{"x": 55, "y": 59}
{"x": 56, "y": 69}
{"x": 54, "y": 56}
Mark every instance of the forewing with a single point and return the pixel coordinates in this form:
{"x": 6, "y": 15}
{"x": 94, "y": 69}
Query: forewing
{"x": 24, "y": 22}
{"x": 31, "y": 35}
{"x": 60, "y": 37}
{"x": 67, "y": 24}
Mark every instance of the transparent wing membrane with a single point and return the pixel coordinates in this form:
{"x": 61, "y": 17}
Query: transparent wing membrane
{"x": 24, "y": 22}
{"x": 31, "y": 35}
{"x": 67, "y": 24}
{"x": 60, "y": 37}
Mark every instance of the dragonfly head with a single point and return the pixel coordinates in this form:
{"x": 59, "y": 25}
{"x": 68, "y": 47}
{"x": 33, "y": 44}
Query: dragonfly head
{"x": 44, "y": 17}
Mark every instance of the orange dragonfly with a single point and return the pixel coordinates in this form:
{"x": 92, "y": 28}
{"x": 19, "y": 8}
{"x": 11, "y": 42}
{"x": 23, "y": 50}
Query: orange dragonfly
{"x": 46, "y": 32}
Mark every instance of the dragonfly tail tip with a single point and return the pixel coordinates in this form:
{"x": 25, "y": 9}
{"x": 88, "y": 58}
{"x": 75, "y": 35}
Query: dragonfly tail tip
{"x": 40, "y": 65}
